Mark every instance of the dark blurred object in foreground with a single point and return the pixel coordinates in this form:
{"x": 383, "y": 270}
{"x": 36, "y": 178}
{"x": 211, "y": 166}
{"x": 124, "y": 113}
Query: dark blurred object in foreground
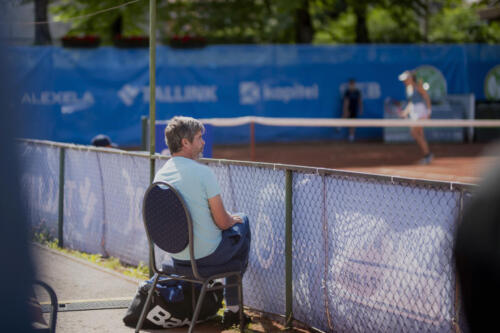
{"x": 487, "y": 110}
{"x": 17, "y": 274}
{"x": 477, "y": 254}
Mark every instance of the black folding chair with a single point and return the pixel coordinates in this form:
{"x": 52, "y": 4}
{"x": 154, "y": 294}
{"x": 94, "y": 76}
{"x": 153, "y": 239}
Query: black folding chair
{"x": 38, "y": 322}
{"x": 169, "y": 226}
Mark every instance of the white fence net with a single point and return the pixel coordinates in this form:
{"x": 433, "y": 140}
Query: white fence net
{"x": 40, "y": 182}
{"x": 370, "y": 253}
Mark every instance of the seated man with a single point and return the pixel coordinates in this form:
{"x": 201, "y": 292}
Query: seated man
{"x": 219, "y": 237}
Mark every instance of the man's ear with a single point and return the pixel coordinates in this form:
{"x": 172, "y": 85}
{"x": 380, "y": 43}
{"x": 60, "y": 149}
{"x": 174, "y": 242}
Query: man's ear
{"x": 185, "y": 142}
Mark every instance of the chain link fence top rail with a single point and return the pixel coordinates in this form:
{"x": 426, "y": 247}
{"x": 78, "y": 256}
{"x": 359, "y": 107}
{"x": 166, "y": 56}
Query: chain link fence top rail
{"x": 370, "y": 253}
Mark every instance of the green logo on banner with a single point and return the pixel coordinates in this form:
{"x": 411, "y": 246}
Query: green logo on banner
{"x": 492, "y": 84}
{"x": 433, "y": 81}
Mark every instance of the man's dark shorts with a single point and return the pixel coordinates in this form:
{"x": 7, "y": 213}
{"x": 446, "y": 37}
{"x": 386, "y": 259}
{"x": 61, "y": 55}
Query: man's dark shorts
{"x": 352, "y": 114}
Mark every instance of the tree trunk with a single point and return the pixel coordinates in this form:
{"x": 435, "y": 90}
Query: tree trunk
{"x": 426, "y": 22}
{"x": 304, "y": 31}
{"x": 42, "y": 32}
{"x": 361, "y": 29}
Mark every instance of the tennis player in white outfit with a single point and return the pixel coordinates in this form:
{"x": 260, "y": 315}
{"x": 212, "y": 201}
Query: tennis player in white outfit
{"x": 418, "y": 107}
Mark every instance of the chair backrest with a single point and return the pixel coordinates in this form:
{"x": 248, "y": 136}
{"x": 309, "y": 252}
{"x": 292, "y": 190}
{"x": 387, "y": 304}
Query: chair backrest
{"x": 166, "y": 218}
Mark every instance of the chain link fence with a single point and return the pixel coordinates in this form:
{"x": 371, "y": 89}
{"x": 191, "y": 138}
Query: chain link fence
{"x": 83, "y": 202}
{"x": 369, "y": 253}
{"x": 389, "y": 255}
{"x": 260, "y": 193}
{"x": 40, "y": 185}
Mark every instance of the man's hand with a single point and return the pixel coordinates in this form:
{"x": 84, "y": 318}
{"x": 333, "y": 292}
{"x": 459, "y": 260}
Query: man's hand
{"x": 222, "y": 219}
{"x": 236, "y": 219}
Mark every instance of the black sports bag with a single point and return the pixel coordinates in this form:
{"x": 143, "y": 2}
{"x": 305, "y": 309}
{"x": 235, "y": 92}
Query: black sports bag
{"x": 171, "y": 304}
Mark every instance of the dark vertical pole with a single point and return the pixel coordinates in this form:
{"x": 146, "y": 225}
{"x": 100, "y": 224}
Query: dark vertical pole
{"x": 42, "y": 31}
{"x": 457, "y": 302}
{"x": 144, "y": 133}
{"x": 152, "y": 85}
{"x": 152, "y": 103}
{"x": 252, "y": 141}
{"x": 60, "y": 222}
{"x": 288, "y": 249}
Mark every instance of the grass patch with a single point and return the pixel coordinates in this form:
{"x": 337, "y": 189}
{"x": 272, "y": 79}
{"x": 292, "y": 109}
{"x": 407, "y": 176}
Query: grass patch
{"x": 43, "y": 236}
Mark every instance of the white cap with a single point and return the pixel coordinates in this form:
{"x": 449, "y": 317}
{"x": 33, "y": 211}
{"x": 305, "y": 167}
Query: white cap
{"x": 403, "y": 76}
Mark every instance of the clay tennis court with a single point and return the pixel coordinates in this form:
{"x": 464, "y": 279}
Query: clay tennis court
{"x": 457, "y": 162}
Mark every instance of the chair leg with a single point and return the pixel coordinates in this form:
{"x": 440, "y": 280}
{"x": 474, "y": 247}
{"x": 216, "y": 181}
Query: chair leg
{"x": 240, "y": 298}
{"x": 53, "y": 304}
{"x": 193, "y": 296}
{"x": 198, "y": 306}
{"x": 146, "y": 305}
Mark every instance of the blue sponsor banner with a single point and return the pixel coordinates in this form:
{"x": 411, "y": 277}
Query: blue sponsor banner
{"x": 71, "y": 95}
{"x": 484, "y": 71}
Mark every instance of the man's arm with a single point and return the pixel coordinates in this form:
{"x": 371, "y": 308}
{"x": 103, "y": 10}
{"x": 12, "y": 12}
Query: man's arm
{"x": 221, "y": 218}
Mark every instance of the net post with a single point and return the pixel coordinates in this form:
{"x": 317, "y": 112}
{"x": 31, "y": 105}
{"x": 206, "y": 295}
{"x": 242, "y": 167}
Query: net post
{"x": 60, "y": 219}
{"x": 252, "y": 141}
{"x": 288, "y": 249}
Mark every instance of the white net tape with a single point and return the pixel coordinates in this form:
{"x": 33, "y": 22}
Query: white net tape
{"x": 330, "y": 122}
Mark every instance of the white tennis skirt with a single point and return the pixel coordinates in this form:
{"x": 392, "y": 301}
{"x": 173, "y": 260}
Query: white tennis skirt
{"x": 419, "y": 111}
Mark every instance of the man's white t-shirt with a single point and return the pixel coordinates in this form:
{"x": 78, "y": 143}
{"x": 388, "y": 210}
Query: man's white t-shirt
{"x": 196, "y": 183}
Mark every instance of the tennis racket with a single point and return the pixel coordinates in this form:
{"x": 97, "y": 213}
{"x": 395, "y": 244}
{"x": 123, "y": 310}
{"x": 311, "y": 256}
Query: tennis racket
{"x": 393, "y": 107}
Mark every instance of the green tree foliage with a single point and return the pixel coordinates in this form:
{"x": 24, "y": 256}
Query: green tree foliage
{"x": 341, "y": 30}
{"x": 462, "y": 25}
{"x": 127, "y": 20}
{"x": 393, "y": 26}
{"x": 239, "y": 21}
{"x": 220, "y": 21}
{"x": 287, "y": 21}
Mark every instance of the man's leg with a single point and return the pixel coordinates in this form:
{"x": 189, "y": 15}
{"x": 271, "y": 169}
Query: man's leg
{"x": 231, "y": 294}
{"x": 231, "y": 315}
{"x": 232, "y": 251}
{"x": 352, "y": 131}
{"x": 353, "y": 114}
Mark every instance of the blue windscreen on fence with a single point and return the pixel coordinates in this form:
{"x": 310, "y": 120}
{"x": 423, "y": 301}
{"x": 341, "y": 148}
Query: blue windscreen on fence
{"x": 71, "y": 95}
{"x": 369, "y": 253}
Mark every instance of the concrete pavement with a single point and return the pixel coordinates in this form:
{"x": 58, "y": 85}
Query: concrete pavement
{"x": 80, "y": 284}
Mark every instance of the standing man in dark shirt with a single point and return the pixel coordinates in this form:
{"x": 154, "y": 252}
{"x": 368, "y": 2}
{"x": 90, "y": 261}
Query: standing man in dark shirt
{"x": 352, "y": 105}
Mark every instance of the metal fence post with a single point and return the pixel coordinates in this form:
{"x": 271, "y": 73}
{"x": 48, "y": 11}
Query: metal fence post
{"x": 152, "y": 85}
{"x": 152, "y": 102}
{"x": 288, "y": 249}
{"x": 60, "y": 220}
{"x": 252, "y": 141}
{"x": 144, "y": 133}
{"x": 457, "y": 300}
